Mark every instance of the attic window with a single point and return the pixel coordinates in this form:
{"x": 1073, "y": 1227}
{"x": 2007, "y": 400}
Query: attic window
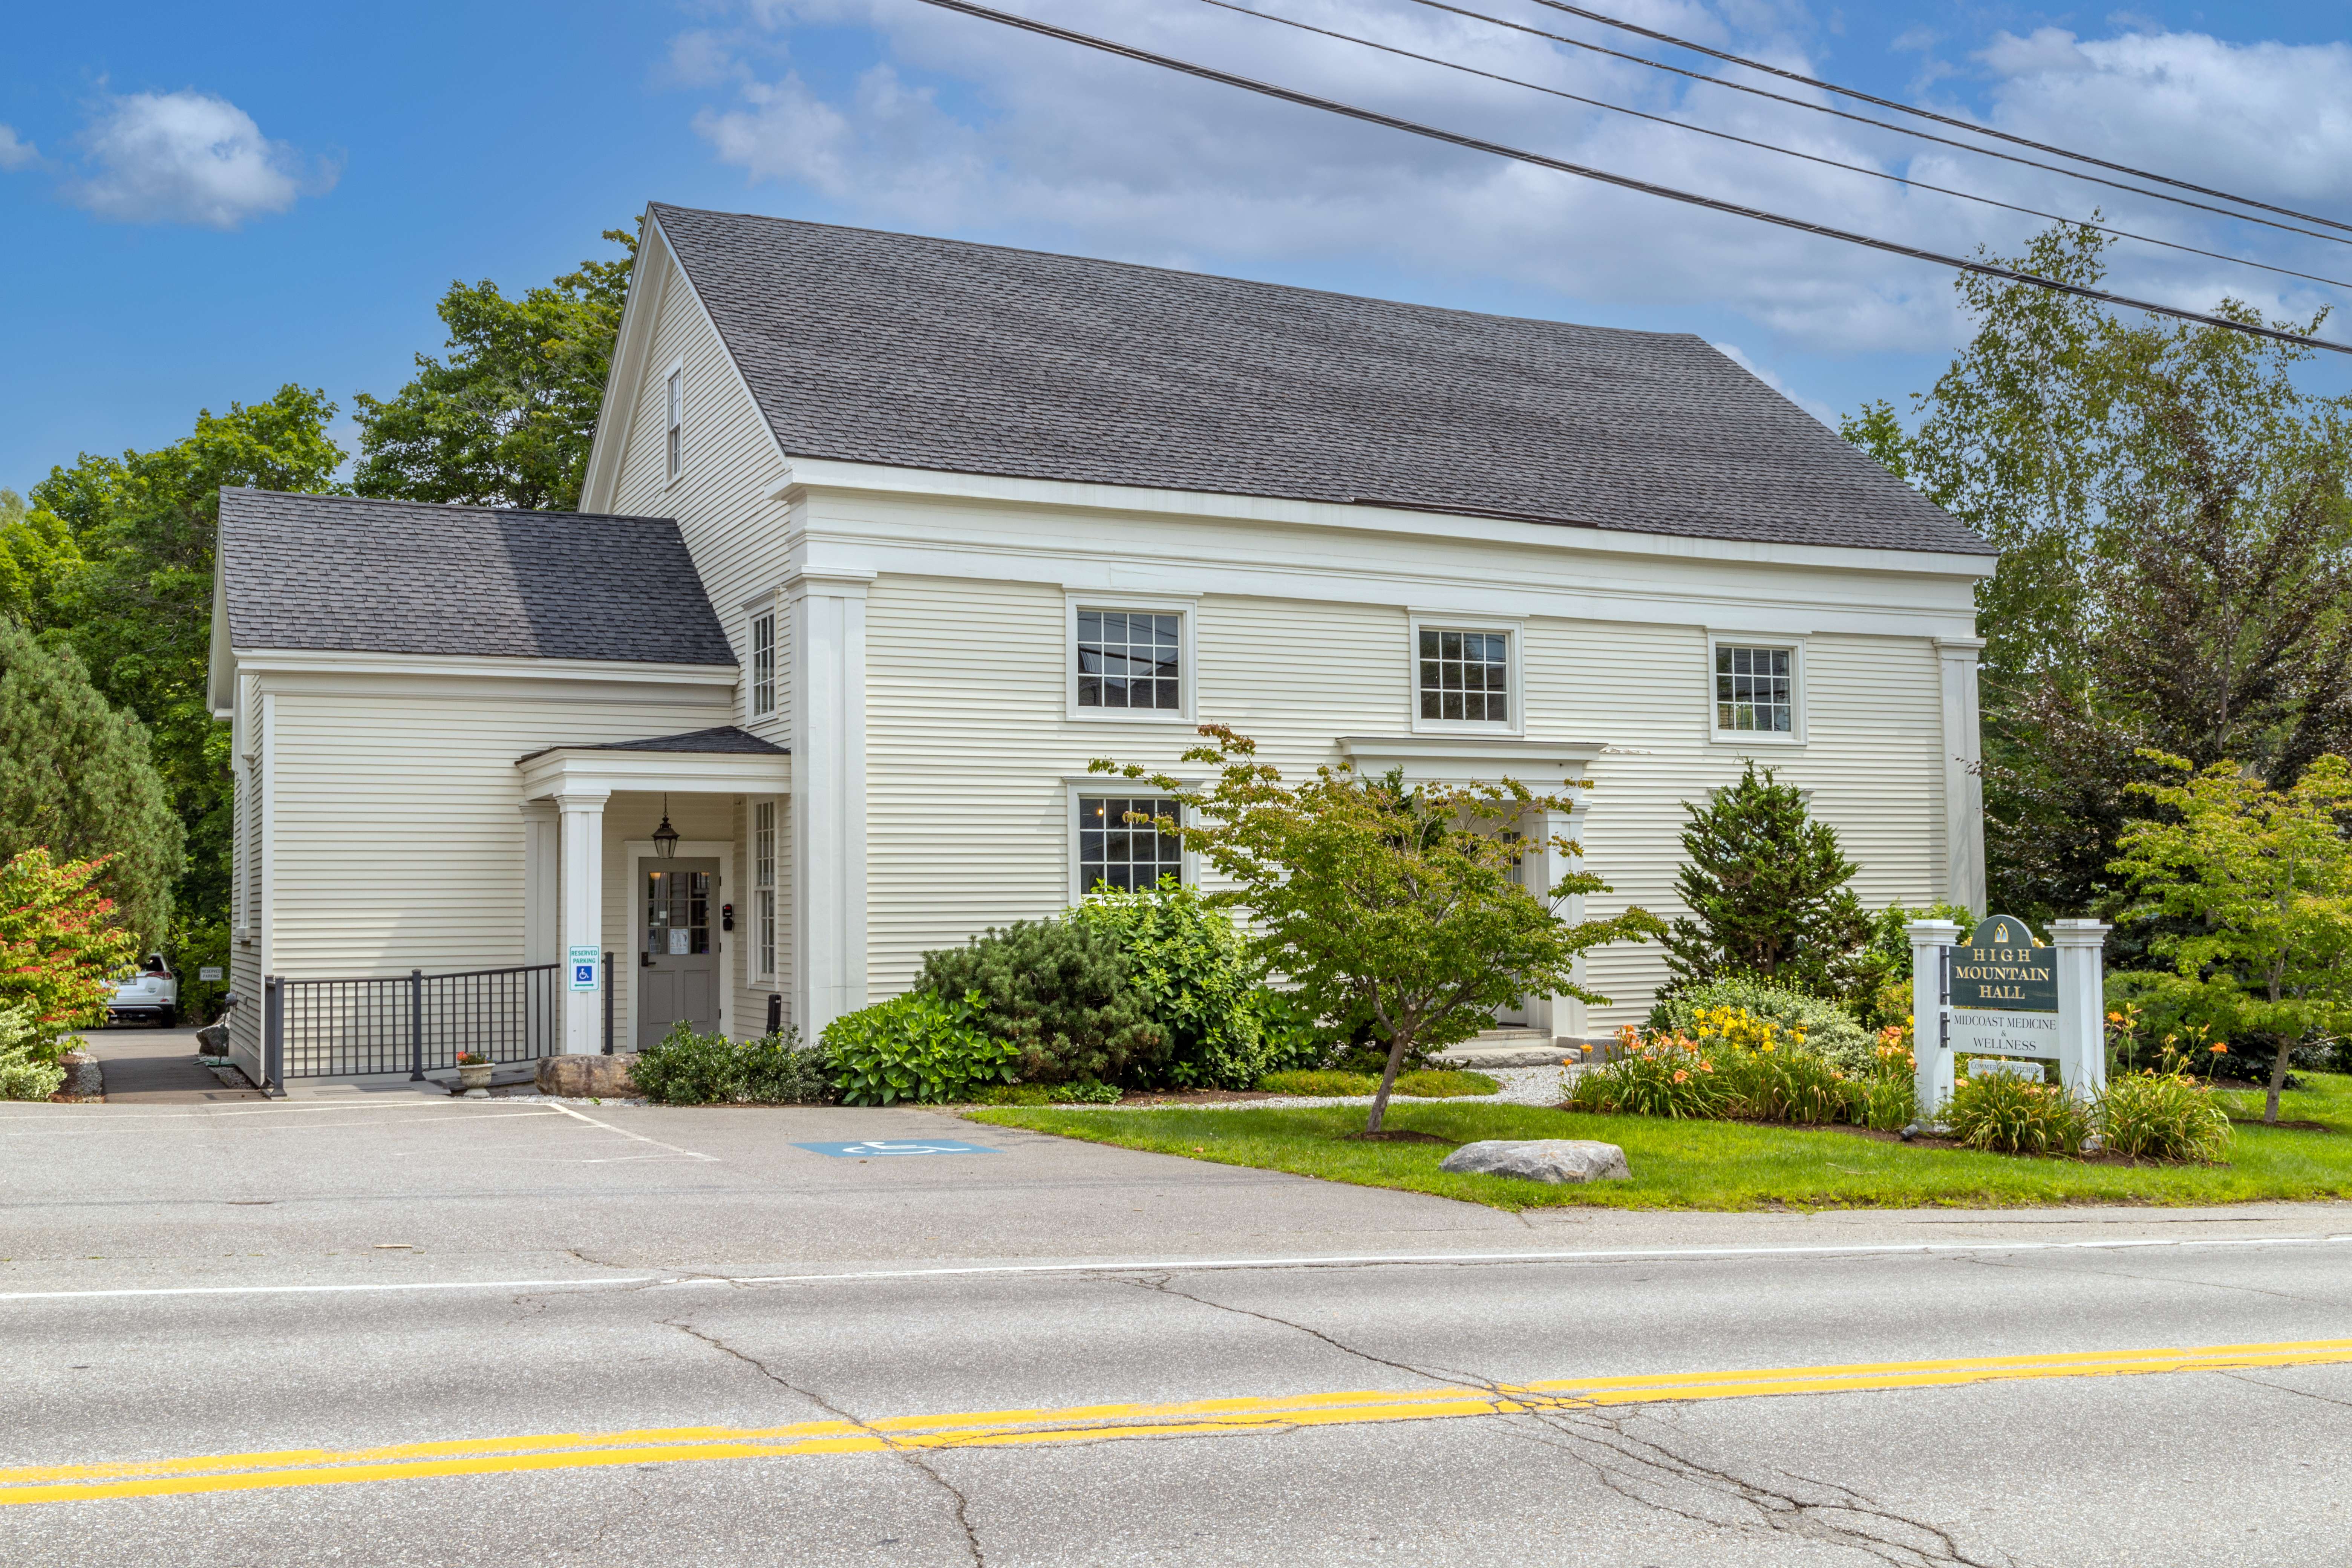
{"x": 674, "y": 399}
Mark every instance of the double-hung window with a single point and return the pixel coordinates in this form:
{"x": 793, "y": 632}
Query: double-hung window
{"x": 1121, "y": 844}
{"x": 1465, "y": 675}
{"x": 1755, "y": 689}
{"x": 763, "y": 664}
{"x": 763, "y": 887}
{"x": 673, "y": 420}
{"x": 1130, "y": 659}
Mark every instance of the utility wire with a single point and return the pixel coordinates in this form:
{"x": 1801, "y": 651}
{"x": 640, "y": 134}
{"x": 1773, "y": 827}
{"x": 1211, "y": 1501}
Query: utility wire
{"x": 1930, "y": 114}
{"x": 1774, "y": 147}
{"x": 1881, "y": 124}
{"x": 1626, "y": 182}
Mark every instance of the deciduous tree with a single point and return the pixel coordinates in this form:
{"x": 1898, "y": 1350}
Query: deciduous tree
{"x": 1402, "y": 903}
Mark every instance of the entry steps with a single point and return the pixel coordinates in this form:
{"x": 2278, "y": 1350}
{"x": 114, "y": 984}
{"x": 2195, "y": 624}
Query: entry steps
{"x": 1512, "y": 1048}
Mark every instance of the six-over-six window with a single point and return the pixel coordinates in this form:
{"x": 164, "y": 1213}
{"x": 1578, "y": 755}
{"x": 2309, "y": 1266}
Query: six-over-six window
{"x": 1465, "y": 676}
{"x": 1754, "y": 689}
{"x": 1130, "y": 658}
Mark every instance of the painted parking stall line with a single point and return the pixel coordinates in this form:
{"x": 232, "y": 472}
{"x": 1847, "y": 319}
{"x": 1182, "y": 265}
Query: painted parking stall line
{"x": 875, "y": 1147}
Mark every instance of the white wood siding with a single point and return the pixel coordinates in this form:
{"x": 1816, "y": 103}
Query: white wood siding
{"x": 720, "y": 498}
{"x": 970, "y": 744}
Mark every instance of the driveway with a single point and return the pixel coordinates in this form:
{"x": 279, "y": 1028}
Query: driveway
{"x": 410, "y": 1330}
{"x": 147, "y": 1066}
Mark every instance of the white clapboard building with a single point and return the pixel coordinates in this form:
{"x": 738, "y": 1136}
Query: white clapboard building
{"x": 885, "y": 537}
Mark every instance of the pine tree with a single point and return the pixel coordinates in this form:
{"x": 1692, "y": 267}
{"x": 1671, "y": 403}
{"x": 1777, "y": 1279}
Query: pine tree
{"x": 77, "y": 779}
{"x": 1766, "y": 890}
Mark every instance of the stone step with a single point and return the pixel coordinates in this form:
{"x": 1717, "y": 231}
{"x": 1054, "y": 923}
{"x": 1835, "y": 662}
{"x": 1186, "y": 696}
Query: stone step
{"x": 1510, "y": 1049}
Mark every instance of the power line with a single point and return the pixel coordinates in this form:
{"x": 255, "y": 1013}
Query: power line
{"x": 1626, "y": 182}
{"x": 1773, "y": 147}
{"x": 1880, "y": 124}
{"x": 1930, "y": 114}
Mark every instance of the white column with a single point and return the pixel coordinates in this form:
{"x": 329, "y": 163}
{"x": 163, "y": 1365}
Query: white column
{"x": 828, "y": 804}
{"x": 1931, "y": 1059}
{"x": 1561, "y": 1016}
{"x": 2081, "y": 1005}
{"x": 542, "y": 884}
{"x": 1963, "y": 864}
{"x": 582, "y": 813}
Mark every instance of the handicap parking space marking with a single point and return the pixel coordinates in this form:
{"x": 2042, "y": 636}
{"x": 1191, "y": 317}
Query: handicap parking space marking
{"x": 886, "y": 1146}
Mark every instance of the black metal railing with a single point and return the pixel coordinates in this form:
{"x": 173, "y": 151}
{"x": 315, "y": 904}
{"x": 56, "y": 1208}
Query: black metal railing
{"x": 412, "y": 1023}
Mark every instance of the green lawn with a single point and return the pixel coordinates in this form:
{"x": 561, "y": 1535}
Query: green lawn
{"x": 2328, "y": 1101}
{"x": 1721, "y": 1164}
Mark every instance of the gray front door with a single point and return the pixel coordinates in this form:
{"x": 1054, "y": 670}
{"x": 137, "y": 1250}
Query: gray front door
{"x": 677, "y": 949}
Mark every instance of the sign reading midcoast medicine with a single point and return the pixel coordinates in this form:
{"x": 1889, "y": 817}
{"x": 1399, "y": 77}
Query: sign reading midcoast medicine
{"x": 2004, "y": 993}
{"x": 1997, "y": 993}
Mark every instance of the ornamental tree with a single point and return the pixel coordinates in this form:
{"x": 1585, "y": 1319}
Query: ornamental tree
{"x": 2259, "y": 881}
{"x": 60, "y": 941}
{"x": 1765, "y": 888}
{"x": 1375, "y": 898}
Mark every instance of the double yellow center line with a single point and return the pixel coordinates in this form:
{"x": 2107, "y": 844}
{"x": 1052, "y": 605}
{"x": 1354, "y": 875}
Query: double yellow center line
{"x": 1091, "y": 1423}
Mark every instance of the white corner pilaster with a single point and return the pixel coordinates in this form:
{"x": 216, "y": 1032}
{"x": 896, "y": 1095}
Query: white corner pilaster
{"x": 1931, "y": 1055}
{"x": 1562, "y": 1015}
{"x": 581, "y": 816}
{"x": 827, "y": 666}
{"x": 2081, "y": 1005}
{"x": 542, "y": 884}
{"x": 1964, "y": 861}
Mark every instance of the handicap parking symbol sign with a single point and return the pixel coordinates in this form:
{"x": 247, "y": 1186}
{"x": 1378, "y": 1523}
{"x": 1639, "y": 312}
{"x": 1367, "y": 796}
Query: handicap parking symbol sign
{"x": 874, "y": 1147}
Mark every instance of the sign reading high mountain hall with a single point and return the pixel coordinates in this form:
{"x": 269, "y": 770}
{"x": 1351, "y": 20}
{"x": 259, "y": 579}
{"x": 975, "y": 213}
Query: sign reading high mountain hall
{"x": 2004, "y": 991}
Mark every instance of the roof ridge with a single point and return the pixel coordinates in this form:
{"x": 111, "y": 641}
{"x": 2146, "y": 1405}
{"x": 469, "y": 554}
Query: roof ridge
{"x": 1176, "y": 271}
{"x": 445, "y": 505}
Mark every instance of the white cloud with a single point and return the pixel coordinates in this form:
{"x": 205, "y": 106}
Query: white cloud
{"x": 969, "y": 127}
{"x": 16, "y": 152}
{"x": 188, "y": 157}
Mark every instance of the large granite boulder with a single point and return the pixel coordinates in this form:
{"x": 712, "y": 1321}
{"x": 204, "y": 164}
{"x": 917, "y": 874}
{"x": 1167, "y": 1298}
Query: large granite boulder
{"x": 587, "y": 1077}
{"x": 1542, "y": 1160}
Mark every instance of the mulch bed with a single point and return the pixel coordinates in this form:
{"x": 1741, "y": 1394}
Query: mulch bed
{"x": 1930, "y": 1141}
{"x": 1400, "y": 1136}
{"x": 2297, "y": 1126}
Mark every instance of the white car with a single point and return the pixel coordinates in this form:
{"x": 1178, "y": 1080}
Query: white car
{"x": 151, "y": 995}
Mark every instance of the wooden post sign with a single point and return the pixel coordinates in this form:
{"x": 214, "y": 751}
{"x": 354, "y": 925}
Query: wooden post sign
{"x": 2001, "y": 994}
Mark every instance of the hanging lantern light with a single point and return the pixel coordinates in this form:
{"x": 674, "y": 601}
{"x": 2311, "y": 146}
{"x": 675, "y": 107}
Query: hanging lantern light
{"x": 665, "y": 836}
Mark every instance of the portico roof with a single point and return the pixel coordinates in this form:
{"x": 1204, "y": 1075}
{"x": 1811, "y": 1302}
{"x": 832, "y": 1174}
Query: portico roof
{"x": 723, "y": 761}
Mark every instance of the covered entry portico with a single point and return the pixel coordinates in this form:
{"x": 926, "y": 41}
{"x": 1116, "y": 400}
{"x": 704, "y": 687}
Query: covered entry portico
{"x": 669, "y": 854}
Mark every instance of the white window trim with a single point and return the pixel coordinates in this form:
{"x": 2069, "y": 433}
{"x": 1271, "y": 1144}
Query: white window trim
{"x": 1077, "y": 787}
{"x": 1512, "y": 626}
{"x": 759, "y": 944}
{"x": 754, "y": 712}
{"x": 677, "y": 371}
{"x": 1739, "y": 739}
{"x": 1185, "y": 610}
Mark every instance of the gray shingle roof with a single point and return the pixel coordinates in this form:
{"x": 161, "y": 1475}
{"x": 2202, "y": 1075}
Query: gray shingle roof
{"x": 935, "y": 353}
{"x": 381, "y": 576}
{"x": 727, "y": 740}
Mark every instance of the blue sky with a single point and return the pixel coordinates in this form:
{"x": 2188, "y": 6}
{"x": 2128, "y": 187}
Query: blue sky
{"x": 201, "y": 206}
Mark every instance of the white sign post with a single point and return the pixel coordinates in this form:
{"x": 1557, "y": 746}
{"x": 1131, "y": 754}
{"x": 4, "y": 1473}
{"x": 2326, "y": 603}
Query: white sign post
{"x": 2073, "y": 1033}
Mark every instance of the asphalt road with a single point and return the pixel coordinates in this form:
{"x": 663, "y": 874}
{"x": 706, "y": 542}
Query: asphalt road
{"x": 402, "y": 1331}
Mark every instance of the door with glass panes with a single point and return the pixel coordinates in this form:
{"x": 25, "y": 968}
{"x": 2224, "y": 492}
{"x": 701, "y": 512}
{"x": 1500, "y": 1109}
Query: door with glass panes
{"x": 678, "y": 946}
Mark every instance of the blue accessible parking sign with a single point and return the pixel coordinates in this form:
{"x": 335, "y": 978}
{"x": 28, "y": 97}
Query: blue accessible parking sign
{"x": 893, "y": 1146}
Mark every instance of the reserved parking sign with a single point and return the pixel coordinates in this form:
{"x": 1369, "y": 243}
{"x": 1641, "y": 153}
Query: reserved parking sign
{"x": 584, "y": 962}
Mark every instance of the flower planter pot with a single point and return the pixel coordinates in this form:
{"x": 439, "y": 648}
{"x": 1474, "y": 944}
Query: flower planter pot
{"x": 472, "y": 1077}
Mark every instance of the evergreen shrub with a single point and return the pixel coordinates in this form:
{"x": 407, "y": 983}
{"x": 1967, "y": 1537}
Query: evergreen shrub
{"x": 1059, "y": 990}
{"x": 1047, "y": 1094}
{"x": 918, "y": 1048}
{"x": 1765, "y": 888}
{"x": 688, "y": 1067}
{"x": 1197, "y": 980}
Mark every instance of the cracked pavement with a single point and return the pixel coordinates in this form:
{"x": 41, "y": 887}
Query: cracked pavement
{"x": 407, "y": 1273}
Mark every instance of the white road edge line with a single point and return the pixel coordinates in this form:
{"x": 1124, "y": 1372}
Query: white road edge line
{"x": 1195, "y": 1264}
{"x": 640, "y": 1137}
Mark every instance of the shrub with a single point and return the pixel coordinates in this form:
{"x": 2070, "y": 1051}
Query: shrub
{"x": 2162, "y": 1116}
{"x": 1059, "y": 990}
{"x": 916, "y": 1047}
{"x": 60, "y": 941}
{"x": 1324, "y": 1081}
{"x": 1197, "y": 980}
{"x": 1823, "y": 1027}
{"x": 685, "y": 1068}
{"x": 1766, "y": 889}
{"x": 28, "y": 1063}
{"x": 2010, "y": 1115}
{"x": 1044, "y": 1094}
